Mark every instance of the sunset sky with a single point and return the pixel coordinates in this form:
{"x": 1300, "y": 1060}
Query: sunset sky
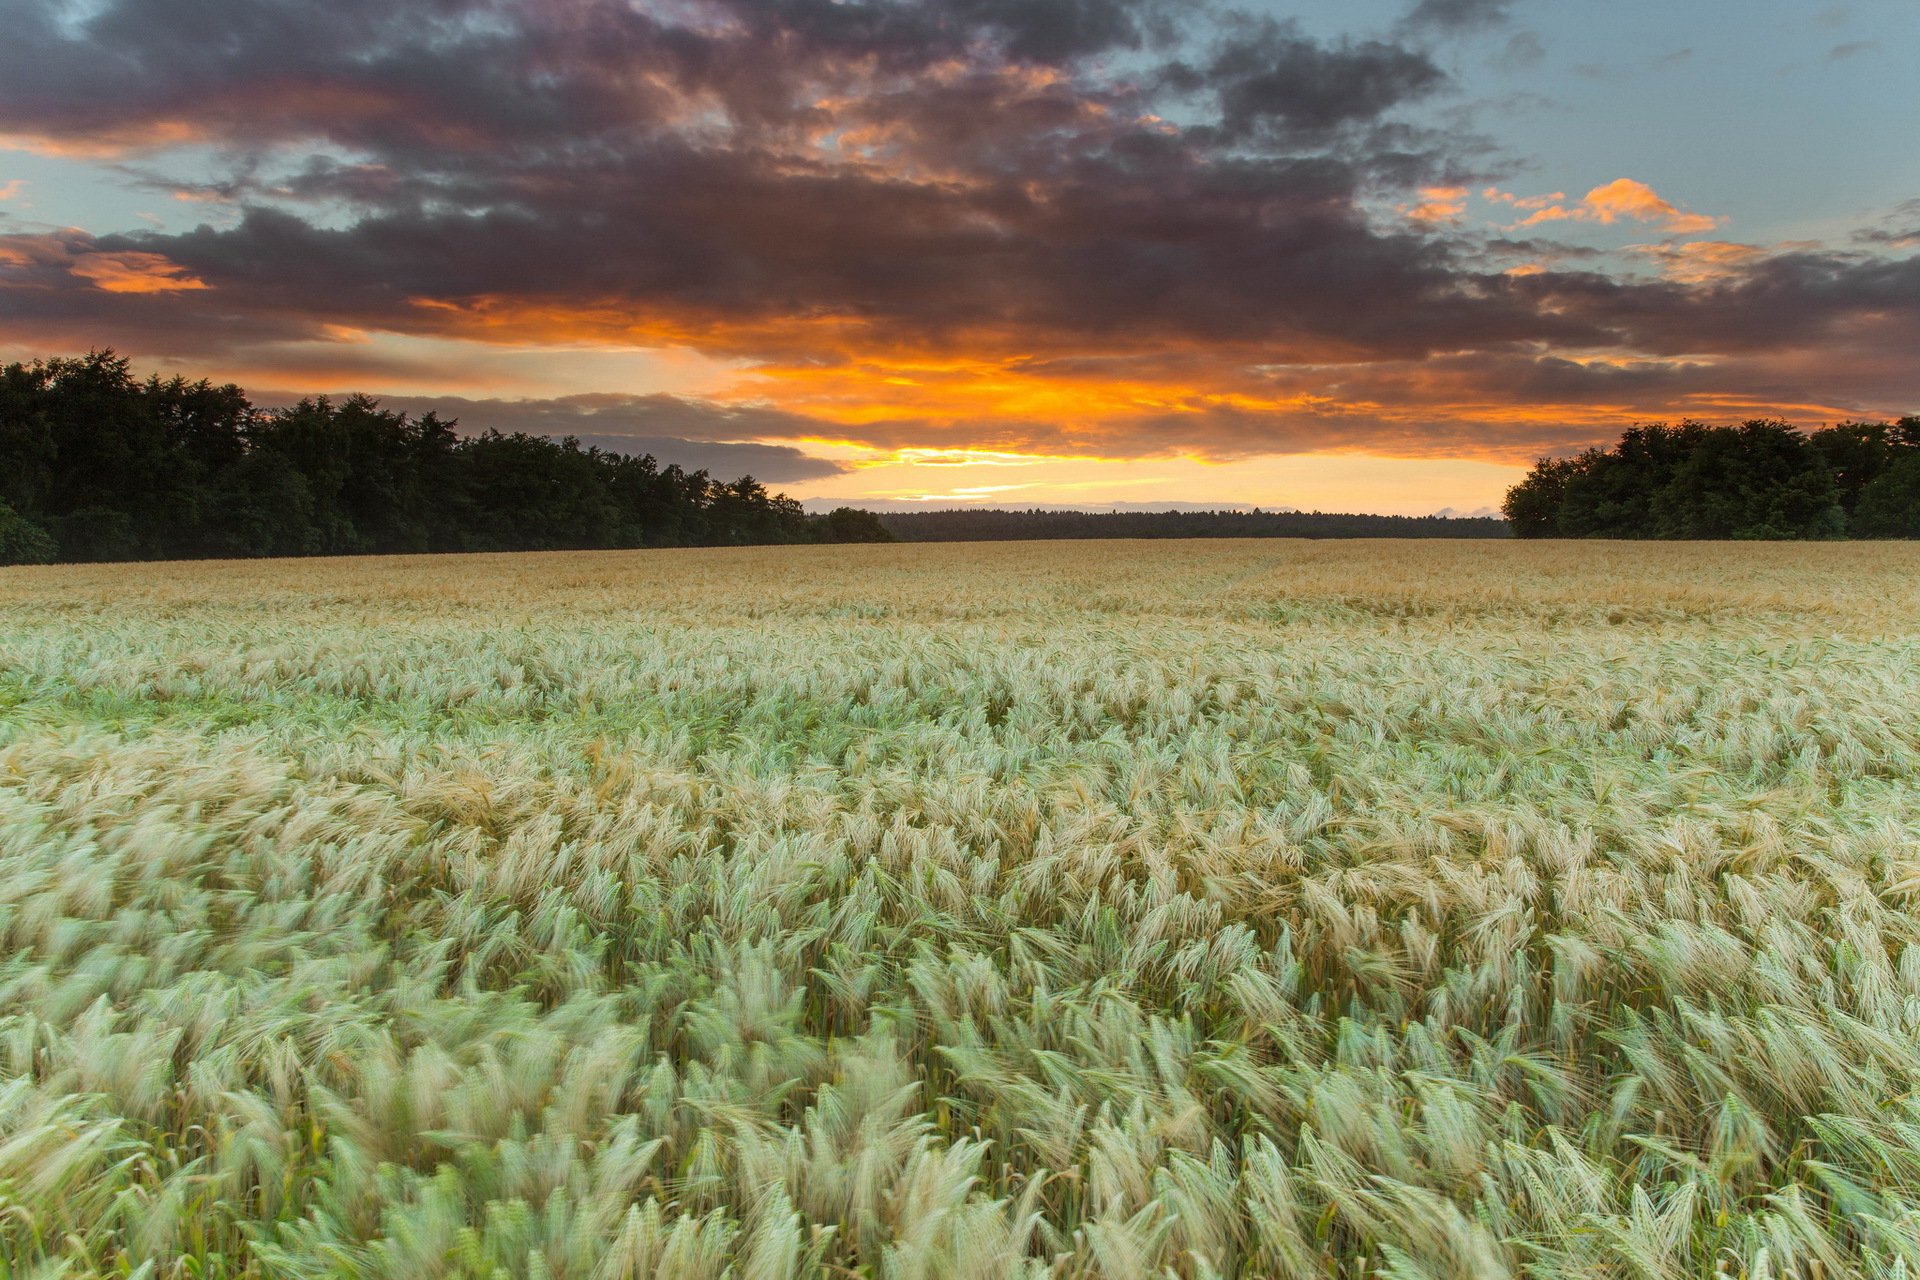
{"x": 1369, "y": 256}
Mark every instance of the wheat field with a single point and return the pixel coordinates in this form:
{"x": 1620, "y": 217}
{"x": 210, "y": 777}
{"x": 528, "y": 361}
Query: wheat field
{"x": 1123, "y": 910}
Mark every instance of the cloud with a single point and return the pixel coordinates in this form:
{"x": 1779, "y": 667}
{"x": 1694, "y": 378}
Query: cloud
{"x": 1457, "y": 15}
{"x": 1523, "y": 50}
{"x": 50, "y": 263}
{"x": 464, "y": 75}
{"x": 131, "y": 271}
{"x": 1700, "y": 260}
{"x": 1899, "y": 229}
{"x": 11, "y": 189}
{"x": 1811, "y": 306}
{"x": 1711, "y": 261}
{"x": 1497, "y": 196}
{"x": 777, "y": 179}
{"x": 737, "y": 257}
{"x": 1100, "y": 228}
{"x": 1268, "y": 75}
{"x": 1851, "y": 49}
{"x": 1622, "y": 199}
{"x": 1438, "y": 204}
{"x": 1057, "y": 31}
{"x": 694, "y": 433}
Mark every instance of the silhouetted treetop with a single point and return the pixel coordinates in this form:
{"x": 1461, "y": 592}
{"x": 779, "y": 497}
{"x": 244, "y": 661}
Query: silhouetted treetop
{"x": 1761, "y": 479}
{"x": 96, "y": 464}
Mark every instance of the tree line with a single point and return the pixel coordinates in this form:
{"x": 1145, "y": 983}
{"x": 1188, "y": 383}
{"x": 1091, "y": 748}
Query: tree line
{"x": 1760, "y": 479}
{"x": 996, "y": 525}
{"x": 98, "y": 464}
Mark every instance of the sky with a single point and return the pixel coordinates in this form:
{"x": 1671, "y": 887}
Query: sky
{"x": 1376, "y": 255}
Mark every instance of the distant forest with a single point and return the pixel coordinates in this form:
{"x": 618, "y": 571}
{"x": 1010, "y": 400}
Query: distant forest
{"x": 991, "y": 526}
{"x": 1757, "y": 480}
{"x": 96, "y": 464}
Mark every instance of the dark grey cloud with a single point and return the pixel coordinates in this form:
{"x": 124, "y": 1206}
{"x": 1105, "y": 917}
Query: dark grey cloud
{"x": 1782, "y": 303}
{"x": 1126, "y": 255}
{"x": 767, "y": 463}
{"x": 594, "y": 157}
{"x": 476, "y": 75}
{"x": 692, "y": 433}
{"x": 1056, "y": 31}
{"x": 1457, "y": 15}
{"x": 1268, "y": 74}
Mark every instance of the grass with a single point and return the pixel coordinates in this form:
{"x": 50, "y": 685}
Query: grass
{"x": 1194, "y": 910}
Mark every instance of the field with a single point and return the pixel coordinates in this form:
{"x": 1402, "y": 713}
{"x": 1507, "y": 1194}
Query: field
{"x": 1118, "y": 909}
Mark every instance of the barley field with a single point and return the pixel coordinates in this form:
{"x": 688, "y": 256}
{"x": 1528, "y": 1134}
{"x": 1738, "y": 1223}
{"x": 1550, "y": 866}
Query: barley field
{"x": 1124, "y": 910}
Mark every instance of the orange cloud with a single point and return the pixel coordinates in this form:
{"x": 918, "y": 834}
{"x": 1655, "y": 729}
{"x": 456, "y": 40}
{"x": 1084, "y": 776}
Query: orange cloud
{"x": 1495, "y": 195}
{"x": 1703, "y": 261}
{"x": 134, "y": 272}
{"x": 994, "y": 353}
{"x": 12, "y": 188}
{"x": 1621, "y": 199}
{"x": 1437, "y": 204}
{"x": 1700, "y": 260}
{"x": 107, "y": 143}
{"x": 1625, "y": 198}
{"x": 991, "y": 398}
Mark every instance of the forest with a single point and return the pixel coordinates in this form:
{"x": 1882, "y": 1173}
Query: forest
{"x": 97, "y": 464}
{"x": 996, "y": 525}
{"x": 1759, "y": 480}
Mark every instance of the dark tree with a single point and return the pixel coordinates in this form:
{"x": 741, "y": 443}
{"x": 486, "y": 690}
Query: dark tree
{"x": 22, "y": 541}
{"x": 265, "y": 509}
{"x": 850, "y": 524}
{"x": 1890, "y": 506}
{"x": 1857, "y": 453}
{"x": 1532, "y": 507}
{"x": 1612, "y": 494}
{"x": 1761, "y": 479}
{"x": 111, "y": 468}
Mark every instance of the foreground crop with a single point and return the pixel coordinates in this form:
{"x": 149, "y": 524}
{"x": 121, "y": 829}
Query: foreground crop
{"x": 1117, "y": 910}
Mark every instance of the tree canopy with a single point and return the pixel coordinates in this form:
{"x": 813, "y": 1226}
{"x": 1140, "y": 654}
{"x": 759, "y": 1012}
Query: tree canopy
{"x": 1761, "y": 479}
{"x": 97, "y": 464}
